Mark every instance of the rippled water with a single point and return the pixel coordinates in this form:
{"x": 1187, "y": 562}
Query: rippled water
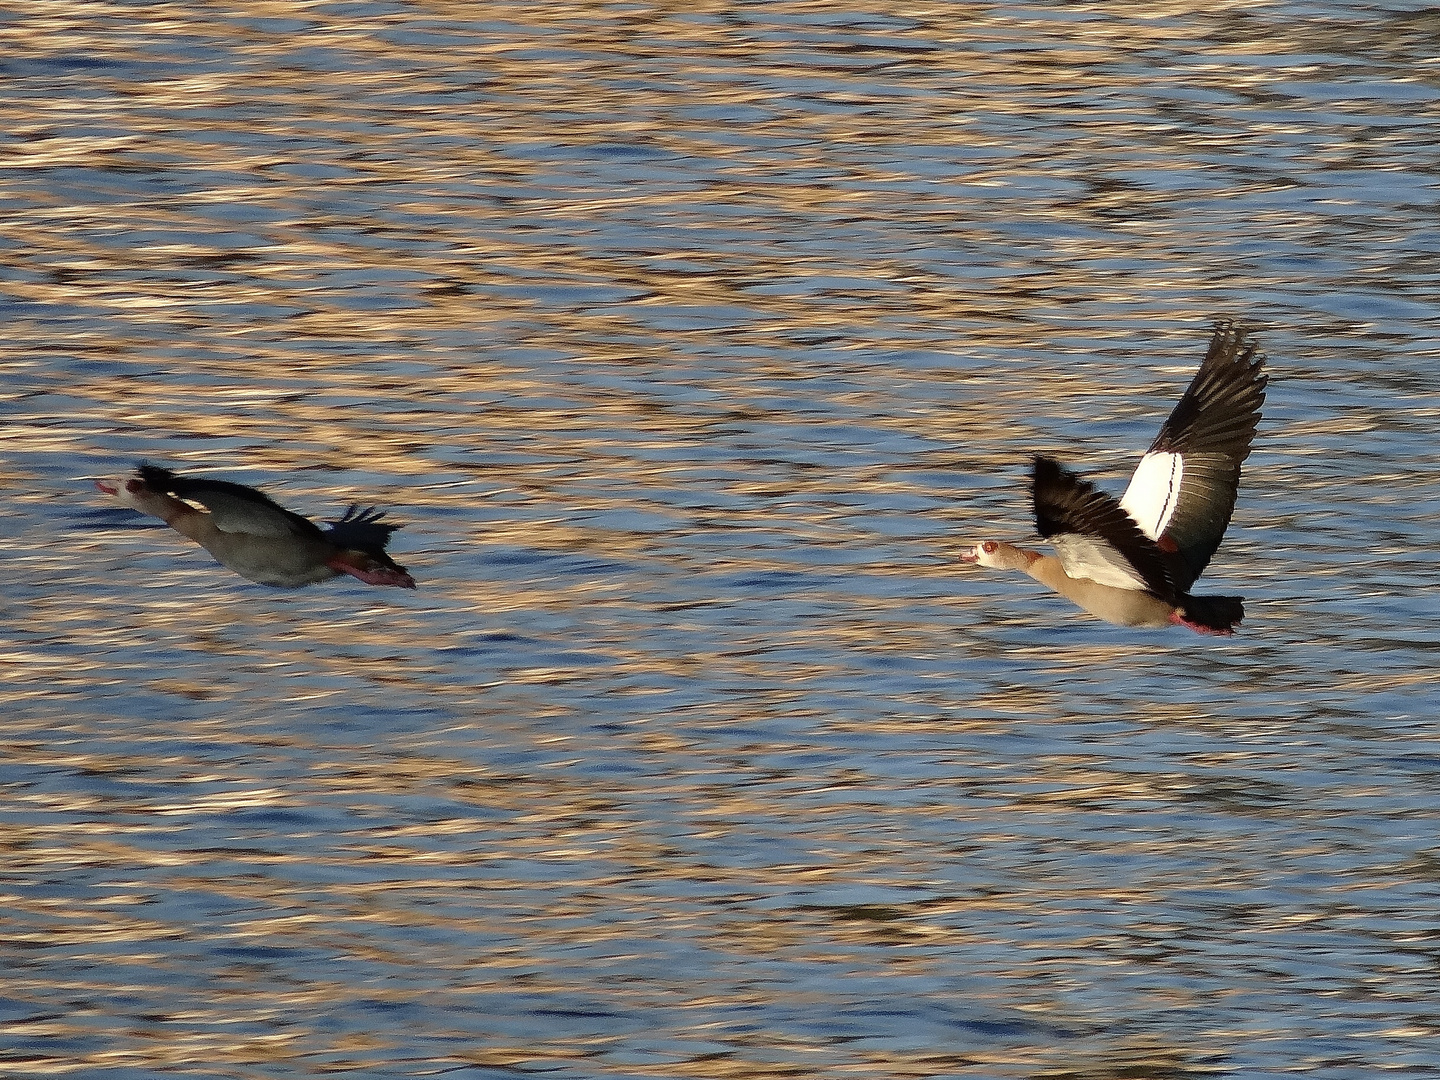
{"x": 691, "y": 343}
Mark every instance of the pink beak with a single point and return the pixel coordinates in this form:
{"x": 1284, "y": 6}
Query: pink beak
{"x": 107, "y": 487}
{"x": 970, "y": 555}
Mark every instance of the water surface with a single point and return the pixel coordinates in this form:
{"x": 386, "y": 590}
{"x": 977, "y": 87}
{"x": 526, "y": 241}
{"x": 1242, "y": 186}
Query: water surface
{"x": 690, "y": 345}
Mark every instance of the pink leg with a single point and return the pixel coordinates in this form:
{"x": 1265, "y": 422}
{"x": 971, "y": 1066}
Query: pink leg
{"x": 374, "y": 574}
{"x": 1177, "y": 619}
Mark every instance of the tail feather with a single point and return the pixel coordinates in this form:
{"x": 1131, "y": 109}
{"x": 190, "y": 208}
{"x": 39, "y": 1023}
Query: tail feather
{"x": 1211, "y": 614}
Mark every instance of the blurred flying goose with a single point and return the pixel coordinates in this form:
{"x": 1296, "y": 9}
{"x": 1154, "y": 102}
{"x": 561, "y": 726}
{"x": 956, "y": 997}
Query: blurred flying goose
{"x": 1133, "y": 562}
{"x": 259, "y": 539}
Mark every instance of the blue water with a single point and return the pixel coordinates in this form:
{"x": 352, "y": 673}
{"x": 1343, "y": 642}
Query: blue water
{"x": 690, "y": 347}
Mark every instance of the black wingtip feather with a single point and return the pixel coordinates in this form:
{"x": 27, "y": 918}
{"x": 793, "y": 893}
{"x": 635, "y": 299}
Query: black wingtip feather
{"x": 1220, "y": 410}
{"x": 1047, "y": 474}
{"x": 361, "y": 528}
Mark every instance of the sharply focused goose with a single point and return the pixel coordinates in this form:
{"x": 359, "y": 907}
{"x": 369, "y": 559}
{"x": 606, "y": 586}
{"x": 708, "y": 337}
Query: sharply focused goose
{"x": 1133, "y": 562}
{"x": 259, "y": 539}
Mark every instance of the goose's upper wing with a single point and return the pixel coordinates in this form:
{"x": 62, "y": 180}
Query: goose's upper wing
{"x": 234, "y": 508}
{"x": 362, "y": 530}
{"x": 1183, "y": 491}
{"x": 1093, "y": 536}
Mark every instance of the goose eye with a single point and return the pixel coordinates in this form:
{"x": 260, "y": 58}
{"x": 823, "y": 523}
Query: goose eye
{"x": 989, "y": 546}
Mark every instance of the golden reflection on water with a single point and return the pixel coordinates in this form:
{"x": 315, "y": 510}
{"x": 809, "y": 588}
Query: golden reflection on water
{"x": 685, "y": 343}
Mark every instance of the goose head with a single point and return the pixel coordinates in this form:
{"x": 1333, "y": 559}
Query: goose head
{"x": 996, "y": 554}
{"x": 131, "y": 491}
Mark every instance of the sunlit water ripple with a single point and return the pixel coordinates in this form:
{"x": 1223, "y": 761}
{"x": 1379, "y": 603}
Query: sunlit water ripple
{"x": 691, "y": 345}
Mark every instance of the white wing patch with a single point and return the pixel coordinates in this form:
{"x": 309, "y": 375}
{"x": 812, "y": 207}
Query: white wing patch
{"x": 1085, "y": 558}
{"x": 1153, "y": 492}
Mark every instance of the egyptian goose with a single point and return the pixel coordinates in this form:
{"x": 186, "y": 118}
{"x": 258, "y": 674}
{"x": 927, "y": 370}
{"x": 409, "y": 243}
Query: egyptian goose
{"x": 1132, "y": 562}
{"x": 259, "y": 539}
